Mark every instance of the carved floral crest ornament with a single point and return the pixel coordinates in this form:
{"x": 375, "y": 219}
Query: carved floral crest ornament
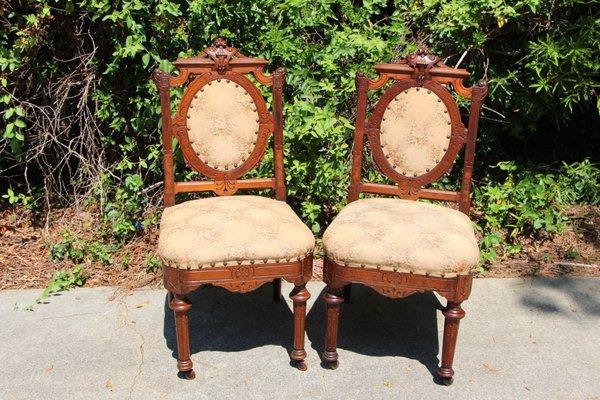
{"x": 220, "y": 53}
{"x": 395, "y": 246}
{"x": 422, "y": 62}
{"x": 422, "y": 57}
{"x": 240, "y": 243}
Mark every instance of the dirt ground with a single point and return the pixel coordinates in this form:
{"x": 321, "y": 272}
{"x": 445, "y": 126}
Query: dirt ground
{"x": 25, "y": 251}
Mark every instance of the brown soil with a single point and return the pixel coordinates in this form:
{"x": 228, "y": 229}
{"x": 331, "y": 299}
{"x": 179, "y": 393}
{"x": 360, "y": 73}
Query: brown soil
{"x": 25, "y": 250}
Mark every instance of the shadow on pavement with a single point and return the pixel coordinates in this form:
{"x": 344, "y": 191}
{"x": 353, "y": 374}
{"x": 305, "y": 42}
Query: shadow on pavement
{"x": 374, "y": 325}
{"x": 224, "y": 321}
{"x": 581, "y": 293}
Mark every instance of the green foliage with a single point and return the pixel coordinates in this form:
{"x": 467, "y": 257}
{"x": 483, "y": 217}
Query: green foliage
{"x": 67, "y": 249}
{"x": 27, "y": 200}
{"x": 80, "y": 112}
{"x": 572, "y": 253}
{"x": 525, "y": 203}
{"x": 580, "y": 183}
{"x": 153, "y": 264}
{"x": 124, "y": 210}
{"x": 538, "y": 72}
{"x": 15, "y": 125}
{"x": 64, "y": 280}
{"x": 77, "y": 250}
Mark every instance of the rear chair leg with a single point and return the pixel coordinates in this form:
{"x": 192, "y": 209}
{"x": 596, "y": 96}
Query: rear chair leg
{"x": 299, "y": 296}
{"x": 347, "y": 293}
{"x": 333, "y": 300}
{"x": 277, "y": 290}
{"x": 453, "y": 313}
{"x": 180, "y": 306}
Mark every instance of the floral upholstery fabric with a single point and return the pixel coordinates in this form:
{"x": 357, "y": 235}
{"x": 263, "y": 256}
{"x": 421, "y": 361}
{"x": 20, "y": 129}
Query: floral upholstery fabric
{"x": 415, "y": 131}
{"x": 403, "y": 236}
{"x": 232, "y": 230}
{"x": 222, "y": 124}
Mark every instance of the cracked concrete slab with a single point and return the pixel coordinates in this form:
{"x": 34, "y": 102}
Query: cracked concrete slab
{"x": 521, "y": 338}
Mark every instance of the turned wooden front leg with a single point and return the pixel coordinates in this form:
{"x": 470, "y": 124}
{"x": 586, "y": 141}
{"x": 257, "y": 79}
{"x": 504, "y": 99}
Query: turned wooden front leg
{"x": 181, "y": 306}
{"x": 332, "y": 313}
{"x": 453, "y": 313}
{"x": 299, "y": 296}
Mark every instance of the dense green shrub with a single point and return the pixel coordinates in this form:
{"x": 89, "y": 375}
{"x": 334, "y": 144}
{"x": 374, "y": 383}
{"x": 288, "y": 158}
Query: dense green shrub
{"x": 526, "y": 203}
{"x": 81, "y": 114}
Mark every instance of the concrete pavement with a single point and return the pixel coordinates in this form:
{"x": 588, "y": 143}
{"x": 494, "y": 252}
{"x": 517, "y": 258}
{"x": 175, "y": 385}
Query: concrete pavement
{"x": 521, "y": 338}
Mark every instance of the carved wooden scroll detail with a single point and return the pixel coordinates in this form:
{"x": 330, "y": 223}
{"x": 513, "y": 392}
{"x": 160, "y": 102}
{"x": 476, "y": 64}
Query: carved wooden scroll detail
{"x": 242, "y": 286}
{"x": 225, "y": 187}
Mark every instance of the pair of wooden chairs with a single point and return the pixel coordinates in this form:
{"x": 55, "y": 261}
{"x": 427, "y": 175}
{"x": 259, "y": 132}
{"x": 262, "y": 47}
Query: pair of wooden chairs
{"x": 395, "y": 246}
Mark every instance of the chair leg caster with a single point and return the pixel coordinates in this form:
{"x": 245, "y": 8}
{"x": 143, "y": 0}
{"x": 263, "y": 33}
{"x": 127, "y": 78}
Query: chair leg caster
{"x": 332, "y": 365}
{"x": 447, "y": 381}
{"x": 445, "y": 376}
{"x": 301, "y": 365}
{"x": 188, "y": 375}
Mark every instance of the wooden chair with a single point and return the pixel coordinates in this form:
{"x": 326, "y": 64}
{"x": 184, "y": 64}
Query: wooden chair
{"x": 237, "y": 242}
{"x": 400, "y": 246}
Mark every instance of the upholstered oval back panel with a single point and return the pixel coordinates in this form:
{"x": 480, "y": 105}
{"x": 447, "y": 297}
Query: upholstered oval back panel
{"x": 415, "y": 131}
{"x": 222, "y": 124}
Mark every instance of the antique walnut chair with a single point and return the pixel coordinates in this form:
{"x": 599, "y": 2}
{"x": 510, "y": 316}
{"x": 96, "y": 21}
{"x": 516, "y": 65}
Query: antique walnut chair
{"x": 237, "y": 242}
{"x": 399, "y": 246}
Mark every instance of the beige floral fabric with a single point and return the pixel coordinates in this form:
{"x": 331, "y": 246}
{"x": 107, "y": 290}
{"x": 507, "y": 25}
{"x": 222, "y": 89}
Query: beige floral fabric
{"x": 403, "y": 236}
{"x": 232, "y": 230}
{"x": 222, "y": 124}
{"x": 415, "y": 131}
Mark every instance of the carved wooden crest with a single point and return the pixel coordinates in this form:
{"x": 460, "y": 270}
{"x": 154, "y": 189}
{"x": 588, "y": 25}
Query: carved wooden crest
{"x": 216, "y": 141}
{"x": 221, "y": 54}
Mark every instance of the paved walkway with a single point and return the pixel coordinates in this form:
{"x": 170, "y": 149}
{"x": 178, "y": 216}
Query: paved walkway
{"x": 525, "y": 339}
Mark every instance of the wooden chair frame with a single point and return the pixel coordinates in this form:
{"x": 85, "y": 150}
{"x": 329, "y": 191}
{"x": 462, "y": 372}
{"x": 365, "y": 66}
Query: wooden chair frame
{"x": 218, "y": 62}
{"x": 420, "y": 70}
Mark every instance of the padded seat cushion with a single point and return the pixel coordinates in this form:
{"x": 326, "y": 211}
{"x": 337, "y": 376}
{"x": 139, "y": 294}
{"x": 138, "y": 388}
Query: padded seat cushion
{"x": 403, "y": 236}
{"x": 219, "y": 231}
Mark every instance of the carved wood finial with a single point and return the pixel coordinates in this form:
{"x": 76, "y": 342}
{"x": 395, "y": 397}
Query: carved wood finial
{"x": 361, "y": 79}
{"x": 278, "y": 77}
{"x": 480, "y": 90}
{"x": 421, "y": 61}
{"x": 161, "y": 78}
{"x": 422, "y": 57}
{"x": 221, "y": 54}
{"x": 221, "y": 43}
